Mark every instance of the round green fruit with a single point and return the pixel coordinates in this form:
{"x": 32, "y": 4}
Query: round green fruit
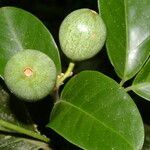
{"x": 30, "y": 75}
{"x": 82, "y": 34}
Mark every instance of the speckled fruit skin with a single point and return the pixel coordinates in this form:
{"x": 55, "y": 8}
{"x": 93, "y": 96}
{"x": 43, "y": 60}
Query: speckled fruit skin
{"x": 30, "y": 75}
{"x": 82, "y": 34}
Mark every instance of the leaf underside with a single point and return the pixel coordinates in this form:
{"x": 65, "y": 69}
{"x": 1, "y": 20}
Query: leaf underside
{"x": 12, "y": 110}
{"x": 8, "y": 142}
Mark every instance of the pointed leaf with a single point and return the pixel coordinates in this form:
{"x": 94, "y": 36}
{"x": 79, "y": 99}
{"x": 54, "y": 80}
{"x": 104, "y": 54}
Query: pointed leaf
{"x": 128, "y": 39}
{"x": 141, "y": 84}
{"x": 94, "y": 112}
{"x": 21, "y": 30}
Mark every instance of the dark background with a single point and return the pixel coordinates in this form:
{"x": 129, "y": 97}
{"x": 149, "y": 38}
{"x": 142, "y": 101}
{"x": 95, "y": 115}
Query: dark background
{"x": 51, "y": 13}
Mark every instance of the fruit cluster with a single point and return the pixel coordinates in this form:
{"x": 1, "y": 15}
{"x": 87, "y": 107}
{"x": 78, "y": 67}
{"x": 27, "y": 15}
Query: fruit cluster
{"x": 31, "y": 75}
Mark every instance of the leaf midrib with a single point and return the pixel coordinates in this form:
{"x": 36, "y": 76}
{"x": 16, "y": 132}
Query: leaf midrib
{"x": 127, "y": 40}
{"x": 140, "y": 85}
{"x": 93, "y": 117}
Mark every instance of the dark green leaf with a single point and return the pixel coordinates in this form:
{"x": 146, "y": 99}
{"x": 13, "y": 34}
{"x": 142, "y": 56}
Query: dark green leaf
{"x": 128, "y": 39}
{"x": 21, "y": 30}
{"x": 94, "y": 112}
{"x": 141, "y": 84}
{"x": 8, "y": 142}
{"x": 14, "y": 111}
{"x": 14, "y": 119}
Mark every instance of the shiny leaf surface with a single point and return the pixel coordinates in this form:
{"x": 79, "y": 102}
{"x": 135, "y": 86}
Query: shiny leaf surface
{"x": 128, "y": 38}
{"x": 94, "y": 112}
{"x": 141, "y": 84}
{"x": 21, "y": 30}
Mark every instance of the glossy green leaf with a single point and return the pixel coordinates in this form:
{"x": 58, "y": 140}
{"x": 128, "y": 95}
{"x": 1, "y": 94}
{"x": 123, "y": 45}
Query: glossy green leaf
{"x": 8, "y": 142}
{"x": 21, "y": 30}
{"x": 14, "y": 111}
{"x": 94, "y": 112}
{"x": 141, "y": 84}
{"x": 128, "y": 38}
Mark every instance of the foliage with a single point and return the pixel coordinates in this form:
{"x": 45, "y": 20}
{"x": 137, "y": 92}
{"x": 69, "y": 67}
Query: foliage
{"x": 93, "y": 111}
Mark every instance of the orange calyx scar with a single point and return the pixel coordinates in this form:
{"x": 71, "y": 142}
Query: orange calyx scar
{"x": 28, "y": 72}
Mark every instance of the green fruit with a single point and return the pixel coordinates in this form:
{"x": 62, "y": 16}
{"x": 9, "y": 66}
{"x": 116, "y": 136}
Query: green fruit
{"x": 30, "y": 75}
{"x": 82, "y": 34}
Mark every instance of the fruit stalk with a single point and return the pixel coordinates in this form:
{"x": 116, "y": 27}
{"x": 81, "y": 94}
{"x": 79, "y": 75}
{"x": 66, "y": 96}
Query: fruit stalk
{"x": 23, "y": 131}
{"x": 64, "y": 76}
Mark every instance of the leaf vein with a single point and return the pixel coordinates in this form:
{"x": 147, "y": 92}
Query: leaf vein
{"x": 94, "y": 118}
